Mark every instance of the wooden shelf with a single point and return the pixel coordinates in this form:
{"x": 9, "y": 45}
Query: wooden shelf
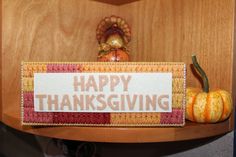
{"x": 123, "y": 134}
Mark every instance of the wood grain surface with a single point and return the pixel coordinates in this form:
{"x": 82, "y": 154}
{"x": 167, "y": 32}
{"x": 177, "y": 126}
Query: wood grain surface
{"x": 162, "y": 30}
{"x": 169, "y": 30}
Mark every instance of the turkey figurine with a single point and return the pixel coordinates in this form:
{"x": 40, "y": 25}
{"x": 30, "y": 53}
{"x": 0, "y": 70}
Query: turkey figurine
{"x": 113, "y": 36}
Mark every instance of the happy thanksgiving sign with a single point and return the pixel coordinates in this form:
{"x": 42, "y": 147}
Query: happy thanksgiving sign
{"x": 103, "y": 92}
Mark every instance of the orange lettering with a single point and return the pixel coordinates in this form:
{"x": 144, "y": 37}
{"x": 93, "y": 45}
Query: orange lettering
{"x": 103, "y": 80}
{"x": 114, "y": 82}
{"x": 78, "y": 101}
{"x": 131, "y": 103}
{"x": 151, "y": 102}
{"x": 163, "y": 104}
{"x": 89, "y": 101}
{"x": 125, "y": 82}
{"x": 77, "y": 83}
{"x": 41, "y": 97}
{"x": 100, "y": 99}
{"x": 141, "y": 102}
{"x": 66, "y": 102}
{"x": 114, "y": 105}
{"x": 52, "y": 102}
{"x": 91, "y": 84}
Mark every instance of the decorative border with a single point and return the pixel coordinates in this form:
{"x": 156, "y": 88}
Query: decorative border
{"x": 106, "y": 66}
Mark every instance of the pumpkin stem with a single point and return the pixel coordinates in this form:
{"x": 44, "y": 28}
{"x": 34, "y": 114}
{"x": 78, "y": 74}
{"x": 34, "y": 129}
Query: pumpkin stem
{"x": 202, "y": 73}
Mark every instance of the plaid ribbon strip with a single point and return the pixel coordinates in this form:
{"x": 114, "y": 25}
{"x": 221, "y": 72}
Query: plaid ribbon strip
{"x": 175, "y": 118}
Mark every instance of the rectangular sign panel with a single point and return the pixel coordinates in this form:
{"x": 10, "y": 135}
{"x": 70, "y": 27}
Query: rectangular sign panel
{"x": 103, "y": 92}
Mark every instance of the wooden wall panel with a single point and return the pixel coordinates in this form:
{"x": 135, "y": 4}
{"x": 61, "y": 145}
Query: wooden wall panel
{"x": 172, "y": 30}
